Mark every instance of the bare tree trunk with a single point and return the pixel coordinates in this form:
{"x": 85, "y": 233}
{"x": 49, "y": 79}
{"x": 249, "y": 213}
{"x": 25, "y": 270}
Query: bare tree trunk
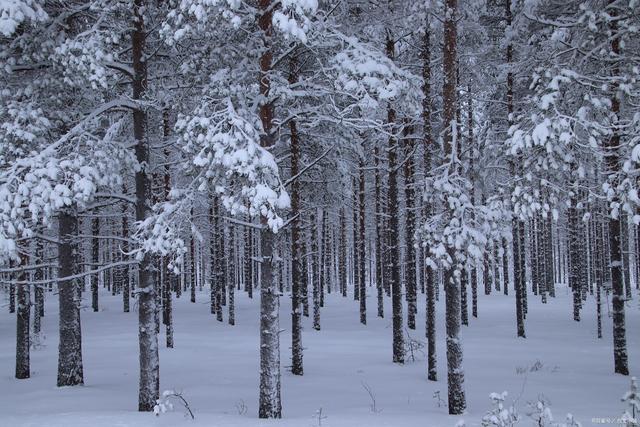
{"x": 147, "y": 335}
{"x": 379, "y": 234}
{"x": 410, "y": 224}
{"x": 361, "y": 243}
{"x": 455, "y": 372}
{"x": 429, "y": 274}
{"x": 126, "y": 291}
{"x": 70, "y": 346}
{"x": 22, "y": 325}
{"x": 343, "y": 252}
{"x": 519, "y": 282}
{"x": 38, "y": 309}
{"x": 393, "y": 230}
{"x": 315, "y": 283}
{"x": 296, "y": 308}
{"x": 248, "y": 261}
{"x": 270, "y": 405}
{"x": 612, "y": 160}
{"x": 95, "y": 259}
{"x": 232, "y": 276}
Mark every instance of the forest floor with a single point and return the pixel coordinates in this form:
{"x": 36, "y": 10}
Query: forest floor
{"x": 215, "y": 366}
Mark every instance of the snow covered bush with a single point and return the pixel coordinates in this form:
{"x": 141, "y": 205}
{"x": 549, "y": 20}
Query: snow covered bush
{"x": 499, "y": 416}
{"x": 164, "y": 404}
{"x": 632, "y": 398}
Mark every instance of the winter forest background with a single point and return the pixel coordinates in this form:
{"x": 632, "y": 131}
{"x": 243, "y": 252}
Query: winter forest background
{"x": 327, "y": 212}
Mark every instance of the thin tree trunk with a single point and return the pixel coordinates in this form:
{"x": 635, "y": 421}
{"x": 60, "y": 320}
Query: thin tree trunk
{"x": 95, "y": 259}
{"x": 296, "y": 309}
{"x": 22, "y": 325}
{"x": 410, "y": 223}
{"x": 315, "y": 285}
{"x": 379, "y": 234}
{"x": 361, "y": 248}
{"x": 393, "y": 230}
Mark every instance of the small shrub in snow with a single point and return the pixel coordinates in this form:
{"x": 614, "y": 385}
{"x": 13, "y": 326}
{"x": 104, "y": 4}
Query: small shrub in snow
{"x": 540, "y": 413}
{"x": 164, "y": 404}
{"x": 499, "y": 416}
{"x": 632, "y": 398}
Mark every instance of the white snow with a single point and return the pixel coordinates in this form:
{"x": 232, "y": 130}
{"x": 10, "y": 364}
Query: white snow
{"x": 215, "y": 367}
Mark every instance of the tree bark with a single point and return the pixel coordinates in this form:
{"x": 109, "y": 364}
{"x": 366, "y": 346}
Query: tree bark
{"x": 270, "y": 405}
{"x": 70, "y": 346}
{"x": 22, "y": 325}
{"x": 455, "y": 371}
{"x": 148, "y": 392}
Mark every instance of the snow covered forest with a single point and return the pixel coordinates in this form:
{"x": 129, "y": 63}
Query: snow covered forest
{"x": 324, "y": 213}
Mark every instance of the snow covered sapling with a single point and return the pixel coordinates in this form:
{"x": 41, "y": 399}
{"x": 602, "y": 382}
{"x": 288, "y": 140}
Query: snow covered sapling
{"x": 632, "y": 398}
{"x": 499, "y": 416}
{"x": 164, "y": 404}
{"x": 373, "y": 406}
{"x": 540, "y": 413}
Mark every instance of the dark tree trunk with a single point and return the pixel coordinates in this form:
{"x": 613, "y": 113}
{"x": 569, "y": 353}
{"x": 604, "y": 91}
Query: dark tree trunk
{"x": 455, "y": 372}
{"x": 356, "y": 262}
{"x": 361, "y": 243}
{"x": 410, "y": 221}
{"x": 296, "y": 308}
{"x": 519, "y": 281}
{"x": 429, "y": 274}
{"x": 393, "y": 247}
{"x": 95, "y": 259}
{"x": 126, "y": 291}
{"x": 38, "y": 309}
{"x": 379, "y": 234}
{"x": 248, "y": 262}
{"x": 612, "y": 160}
{"x": 315, "y": 283}
{"x": 343, "y": 252}
{"x": 22, "y": 325}
{"x": 232, "y": 276}
{"x": 70, "y": 345}
{"x": 574, "y": 243}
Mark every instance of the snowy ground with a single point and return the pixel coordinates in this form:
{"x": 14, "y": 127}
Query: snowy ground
{"x": 216, "y": 367}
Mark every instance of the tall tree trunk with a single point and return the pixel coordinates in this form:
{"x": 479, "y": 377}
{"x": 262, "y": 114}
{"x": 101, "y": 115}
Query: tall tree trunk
{"x": 410, "y": 221}
{"x": 379, "y": 233}
{"x": 612, "y": 160}
{"x": 393, "y": 229}
{"x": 269, "y": 402}
{"x": 356, "y": 263}
{"x": 38, "y": 309}
{"x": 455, "y": 372}
{"x": 361, "y": 243}
{"x": 518, "y": 236}
{"x": 343, "y": 252}
{"x": 429, "y": 274}
{"x": 70, "y": 345}
{"x": 248, "y": 261}
{"x": 315, "y": 283}
{"x": 147, "y": 336}
{"x": 232, "y": 276}
{"x": 296, "y": 270}
{"x": 126, "y": 291}
{"x": 574, "y": 243}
